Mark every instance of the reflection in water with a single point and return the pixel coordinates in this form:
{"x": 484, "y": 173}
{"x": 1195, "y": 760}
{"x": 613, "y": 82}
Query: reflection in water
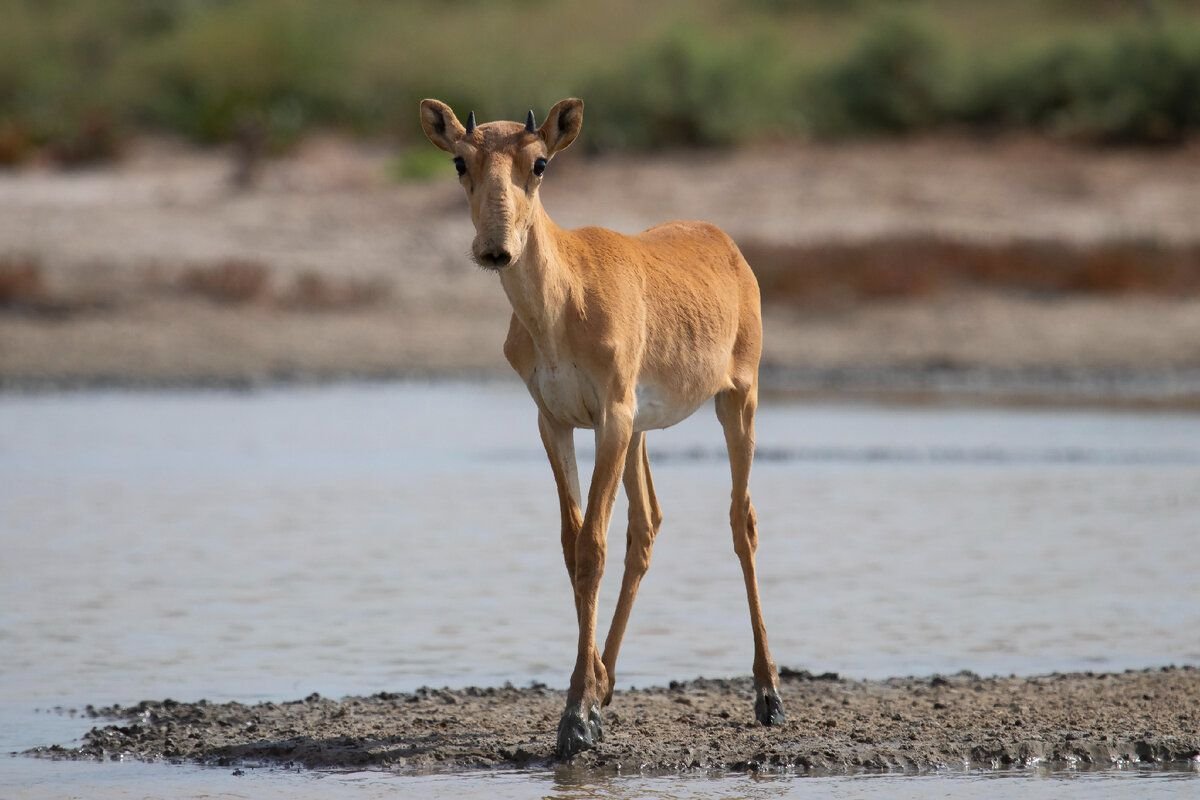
{"x": 1132, "y": 782}
{"x": 353, "y": 539}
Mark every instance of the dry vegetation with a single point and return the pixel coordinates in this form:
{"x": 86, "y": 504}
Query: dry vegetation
{"x": 231, "y": 282}
{"x": 20, "y": 283}
{"x": 904, "y": 267}
{"x": 908, "y": 267}
{"x": 242, "y": 281}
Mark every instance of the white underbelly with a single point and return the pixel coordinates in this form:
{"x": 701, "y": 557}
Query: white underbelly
{"x": 657, "y": 409}
{"x": 567, "y": 394}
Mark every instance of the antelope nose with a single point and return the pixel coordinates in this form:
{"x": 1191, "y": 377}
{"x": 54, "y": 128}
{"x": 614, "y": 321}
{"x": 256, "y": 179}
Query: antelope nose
{"x": 496, "y": 258}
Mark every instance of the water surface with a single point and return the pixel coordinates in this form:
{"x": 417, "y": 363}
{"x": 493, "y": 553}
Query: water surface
{"x": 359, "y": 538}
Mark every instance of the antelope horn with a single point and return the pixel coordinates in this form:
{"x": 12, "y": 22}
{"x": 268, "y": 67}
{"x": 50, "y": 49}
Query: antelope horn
{"x": 530, "y": 124}
{"x": 470, "y": 123}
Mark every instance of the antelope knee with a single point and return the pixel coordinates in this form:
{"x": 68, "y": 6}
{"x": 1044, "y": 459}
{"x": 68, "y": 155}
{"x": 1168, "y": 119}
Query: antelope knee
{"x": 637, "y": 556}
{"x": 589, "y": 559}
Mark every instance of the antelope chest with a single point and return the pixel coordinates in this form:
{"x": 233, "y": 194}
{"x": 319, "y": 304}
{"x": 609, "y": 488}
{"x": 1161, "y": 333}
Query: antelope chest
{"x": 566, "y": 393}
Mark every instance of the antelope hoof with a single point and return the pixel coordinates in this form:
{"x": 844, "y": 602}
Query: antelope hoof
{"x": 768, "y": 708}
{"x": 577, "y": 733}
{"x": 611, "y": 683}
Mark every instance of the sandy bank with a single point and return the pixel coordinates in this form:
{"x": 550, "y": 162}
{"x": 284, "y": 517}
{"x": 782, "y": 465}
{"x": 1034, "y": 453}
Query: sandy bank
{"x": 155, "y": 272}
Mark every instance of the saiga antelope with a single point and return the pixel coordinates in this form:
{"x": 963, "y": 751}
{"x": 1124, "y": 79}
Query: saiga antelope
{"x": 619, "y": 334}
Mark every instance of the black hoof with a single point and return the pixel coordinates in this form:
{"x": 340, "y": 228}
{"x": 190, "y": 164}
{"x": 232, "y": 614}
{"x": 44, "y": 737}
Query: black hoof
{"x": 597, "y": 723}
{"x": 576, "y": 733}
{"x": 768, "y": 708}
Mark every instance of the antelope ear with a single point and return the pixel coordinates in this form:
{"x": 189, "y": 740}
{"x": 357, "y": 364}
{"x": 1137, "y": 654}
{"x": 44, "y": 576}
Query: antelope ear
{"x": 562, "y": 125}
{"x": 440, "y": 124}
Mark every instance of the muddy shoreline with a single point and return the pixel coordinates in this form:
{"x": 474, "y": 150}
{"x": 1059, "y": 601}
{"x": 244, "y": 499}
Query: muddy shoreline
{"x": 834, "y": 726}
{"x": 1168, "y": 390}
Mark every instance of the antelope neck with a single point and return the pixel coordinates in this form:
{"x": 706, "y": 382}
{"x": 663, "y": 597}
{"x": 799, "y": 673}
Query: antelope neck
{"x": 540, "y": 283}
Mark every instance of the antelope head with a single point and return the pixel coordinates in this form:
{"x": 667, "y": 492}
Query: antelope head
{"x": 500, "y": 166}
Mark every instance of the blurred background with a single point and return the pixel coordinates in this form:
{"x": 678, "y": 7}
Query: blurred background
{"x": 938, "y": 196}
{"x": 951, "y": 200}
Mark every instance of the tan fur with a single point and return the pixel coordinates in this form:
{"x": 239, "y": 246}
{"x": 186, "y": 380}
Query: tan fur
{"x": 619, "y": 334}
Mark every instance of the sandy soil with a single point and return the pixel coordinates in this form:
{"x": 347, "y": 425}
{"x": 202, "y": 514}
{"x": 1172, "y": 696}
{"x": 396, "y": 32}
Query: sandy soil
{"x": 834, "y": 725}
{"x": 114, "y": 246}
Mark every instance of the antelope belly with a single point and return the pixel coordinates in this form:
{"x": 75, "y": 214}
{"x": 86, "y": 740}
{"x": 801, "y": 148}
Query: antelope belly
{"x": 657, "y": 409}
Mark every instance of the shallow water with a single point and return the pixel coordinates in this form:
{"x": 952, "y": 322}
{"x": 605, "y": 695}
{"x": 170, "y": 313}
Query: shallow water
{"x": 121, "y": 781}
{"x": 358, "y": 538}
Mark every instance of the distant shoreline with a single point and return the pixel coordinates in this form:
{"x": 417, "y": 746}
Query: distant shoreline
{"x": 932, "y": 385}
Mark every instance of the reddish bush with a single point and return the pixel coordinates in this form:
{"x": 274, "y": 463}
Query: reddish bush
{"x": 15, "y": 144}
{"x": 235, "y": 281}
{"x": 315, "y": 292}
{"x": 21, "y": 283}
{"x": 917, "y": 266}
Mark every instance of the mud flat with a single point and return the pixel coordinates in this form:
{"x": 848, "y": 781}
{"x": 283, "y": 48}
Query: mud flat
{"x": 834, "y": 725}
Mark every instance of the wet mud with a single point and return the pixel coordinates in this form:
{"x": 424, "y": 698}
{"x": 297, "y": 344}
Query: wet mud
{"x": 833, "y": 725}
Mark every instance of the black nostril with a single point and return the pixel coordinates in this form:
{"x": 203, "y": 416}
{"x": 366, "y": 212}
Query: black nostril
{"x": 495, "y": 258}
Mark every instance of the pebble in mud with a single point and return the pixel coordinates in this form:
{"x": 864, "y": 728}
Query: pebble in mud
{"x": 837, "y": 726}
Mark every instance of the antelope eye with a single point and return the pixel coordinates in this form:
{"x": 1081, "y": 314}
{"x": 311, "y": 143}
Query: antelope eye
{"x": 539, "y": 167}
{"x": 460, "y": 165}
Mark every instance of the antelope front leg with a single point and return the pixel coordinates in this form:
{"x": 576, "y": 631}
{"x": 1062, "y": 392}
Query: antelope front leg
{"x": 559, "y": 441}
{"x": 645, "y": 518}
{"x": 580, "y": 726}
{"x": 560, "y": 450}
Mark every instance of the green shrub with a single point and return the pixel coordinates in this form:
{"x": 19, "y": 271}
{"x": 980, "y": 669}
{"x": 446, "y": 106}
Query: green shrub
{"x": 51, "y": 70}
{"x": 76, "y": 76}
{"x": 895, "y": 80}
{"x": 420, "y": 163}
{"x": 688, "y": 88}
{"x": 803, "y": 6}
{"x": 269, "y": 64}
{"x": 1133, "y": 84}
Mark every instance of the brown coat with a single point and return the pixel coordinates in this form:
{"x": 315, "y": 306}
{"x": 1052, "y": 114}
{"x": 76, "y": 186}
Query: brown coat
{"x": 619, "y": 334}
